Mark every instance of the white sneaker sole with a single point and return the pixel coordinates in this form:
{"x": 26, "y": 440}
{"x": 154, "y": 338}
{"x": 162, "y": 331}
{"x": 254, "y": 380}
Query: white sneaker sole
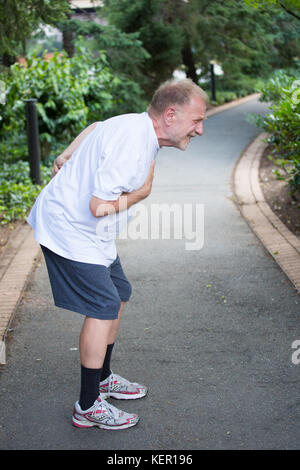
{"x": 123, "y": 396}
{"x": 85, "y": 423}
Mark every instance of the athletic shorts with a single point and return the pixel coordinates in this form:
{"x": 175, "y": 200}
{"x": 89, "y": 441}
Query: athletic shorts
{"x": 90, "y": 289}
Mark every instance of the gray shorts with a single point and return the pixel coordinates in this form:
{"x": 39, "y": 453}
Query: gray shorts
{"x": 90, "y": 289}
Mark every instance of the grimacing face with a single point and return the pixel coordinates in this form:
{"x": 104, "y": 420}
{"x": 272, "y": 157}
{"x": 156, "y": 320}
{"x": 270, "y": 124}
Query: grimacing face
{"x": 187, "y": 122}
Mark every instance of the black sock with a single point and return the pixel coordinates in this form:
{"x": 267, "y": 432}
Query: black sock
{"x": 106, "y": 364}
{"x": 89, "y": 392}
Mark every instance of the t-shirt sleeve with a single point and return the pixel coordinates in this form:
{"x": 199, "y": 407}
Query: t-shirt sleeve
{"x": 117, "y": 173}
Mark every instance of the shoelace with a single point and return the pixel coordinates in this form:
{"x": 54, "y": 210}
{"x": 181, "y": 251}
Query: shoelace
{"x": 117, "y": 377}
{"x": 112, "y": 411}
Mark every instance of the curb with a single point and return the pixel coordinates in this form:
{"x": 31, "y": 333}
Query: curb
{"x": 17, "y": 263}
{"x": 280, "y": 242}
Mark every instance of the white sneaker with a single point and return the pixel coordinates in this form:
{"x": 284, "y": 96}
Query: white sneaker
{"x": 103, "y": 415}
{"x": 117, "y": 387}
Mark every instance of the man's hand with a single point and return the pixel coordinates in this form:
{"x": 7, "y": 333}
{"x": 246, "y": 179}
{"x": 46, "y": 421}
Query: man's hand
{"x": 58, "y": 163}
{"x": 128, "y": 199}
{"x": 100, "y": 208}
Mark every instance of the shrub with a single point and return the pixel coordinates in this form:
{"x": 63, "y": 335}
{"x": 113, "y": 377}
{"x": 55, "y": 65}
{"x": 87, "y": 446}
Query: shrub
{"x": 283, "y": 125}
{"x": 71, "y": 93}
{"x": 60, "y": 106}
{"x": 17, "y": 192}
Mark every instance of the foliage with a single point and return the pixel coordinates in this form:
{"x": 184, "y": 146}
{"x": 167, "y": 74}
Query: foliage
{"x": 18, "y": 18}
{"x": 248, "y": 43}
{"x": 223, "y": 97}
{"x": 17, "y": 192}
{"x": 124, "y": 51}
{"x": 271, "y": 91}
{"x": 71, "y": 93}
{"x": 161, "y": 39}
{"x": 60, "y": 105}
{"x": 245, "y": 42}
{"x": 286, "y": 29}
{"x": 243, "y": 86}
{"x": 292, "y": 7}
{"x": 283, "y": 125}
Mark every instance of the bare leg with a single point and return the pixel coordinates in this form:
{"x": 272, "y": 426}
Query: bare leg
{"x": 115, "y": 326}
{"x": 93, "y": 342}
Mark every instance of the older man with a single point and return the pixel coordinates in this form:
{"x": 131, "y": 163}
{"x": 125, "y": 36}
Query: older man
{"x": 107, "y": 168}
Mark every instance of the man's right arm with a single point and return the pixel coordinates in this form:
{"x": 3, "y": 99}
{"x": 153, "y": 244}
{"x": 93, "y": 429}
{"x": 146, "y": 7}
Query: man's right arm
{"x": 63, "y": 157}
{"x": 100, "y": 208}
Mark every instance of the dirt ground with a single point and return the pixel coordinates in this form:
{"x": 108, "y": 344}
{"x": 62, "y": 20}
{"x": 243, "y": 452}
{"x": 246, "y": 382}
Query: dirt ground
{"x": 277, "y": 194}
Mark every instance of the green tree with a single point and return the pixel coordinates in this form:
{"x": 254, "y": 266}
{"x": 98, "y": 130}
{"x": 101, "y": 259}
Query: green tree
{"x": 124, "y": 51}
{"x": 163, "y": 40}
{"x": 286, "y": 28}
{"x": 236, "y": 37}
{"x": 292, "y": 7}
{"x": 245, "y": 42}
{"x": 19, "y": 18}
{"x": 70, "y": 92}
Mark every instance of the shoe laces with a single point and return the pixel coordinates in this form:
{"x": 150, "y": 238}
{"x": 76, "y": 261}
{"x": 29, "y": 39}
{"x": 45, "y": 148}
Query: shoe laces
{"x": 112, "y": 411}
{"x": 118, "y": 378}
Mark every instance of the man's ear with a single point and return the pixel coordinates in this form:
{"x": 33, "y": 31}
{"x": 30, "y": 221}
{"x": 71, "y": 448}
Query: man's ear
{"x": 169, "y": 115}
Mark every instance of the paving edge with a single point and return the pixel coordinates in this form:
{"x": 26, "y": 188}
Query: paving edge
{"x": 280, "y": 242}
{"x": 14, "y": 282}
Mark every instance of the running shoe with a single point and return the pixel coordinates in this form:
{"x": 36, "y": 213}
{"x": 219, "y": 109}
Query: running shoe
{"x": 117, "y": 387}
{"x": 104, "y": 415}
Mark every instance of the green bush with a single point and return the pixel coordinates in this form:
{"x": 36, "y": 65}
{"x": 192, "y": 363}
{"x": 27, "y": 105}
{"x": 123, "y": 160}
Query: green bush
{"x": 60, "y": 106}
{"x": 17, "y": 192}
{"x": 230, "y": 88}
{"x": 283, "y": 125}
{"x": 223, "y": 97}
{"x": 271, "y": 89}
{"x": 71, "y": 93}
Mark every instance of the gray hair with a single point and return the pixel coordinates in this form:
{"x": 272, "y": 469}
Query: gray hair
{"x": 174, "y": 92}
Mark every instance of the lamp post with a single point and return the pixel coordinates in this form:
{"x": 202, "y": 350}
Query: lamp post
{"x": 33, "y": 140}
{"x": 212, "y": 80}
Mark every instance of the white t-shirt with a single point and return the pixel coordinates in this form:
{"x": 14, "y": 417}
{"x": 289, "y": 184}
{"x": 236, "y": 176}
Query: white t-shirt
{"x": 114, "y": 158}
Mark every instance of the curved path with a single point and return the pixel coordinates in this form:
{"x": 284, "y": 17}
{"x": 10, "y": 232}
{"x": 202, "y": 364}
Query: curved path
{"x": 210, "y": 331}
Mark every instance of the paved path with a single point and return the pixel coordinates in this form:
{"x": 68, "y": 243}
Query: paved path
{"x": 209, "y": 331}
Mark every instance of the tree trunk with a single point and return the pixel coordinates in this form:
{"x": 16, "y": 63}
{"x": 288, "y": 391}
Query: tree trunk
{"x": 68, "y": 37}
{"x": 188, "y": 60}
{"x": 68, "y": 42}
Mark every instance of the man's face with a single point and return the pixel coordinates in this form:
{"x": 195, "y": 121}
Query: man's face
{"x": 186, "y": 122}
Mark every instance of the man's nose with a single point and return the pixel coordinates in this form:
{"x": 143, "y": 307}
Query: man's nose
{"x": 199, "y": 128}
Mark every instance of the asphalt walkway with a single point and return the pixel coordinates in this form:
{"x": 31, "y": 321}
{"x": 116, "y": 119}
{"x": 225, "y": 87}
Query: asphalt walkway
{"x": 210, "y": 331}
